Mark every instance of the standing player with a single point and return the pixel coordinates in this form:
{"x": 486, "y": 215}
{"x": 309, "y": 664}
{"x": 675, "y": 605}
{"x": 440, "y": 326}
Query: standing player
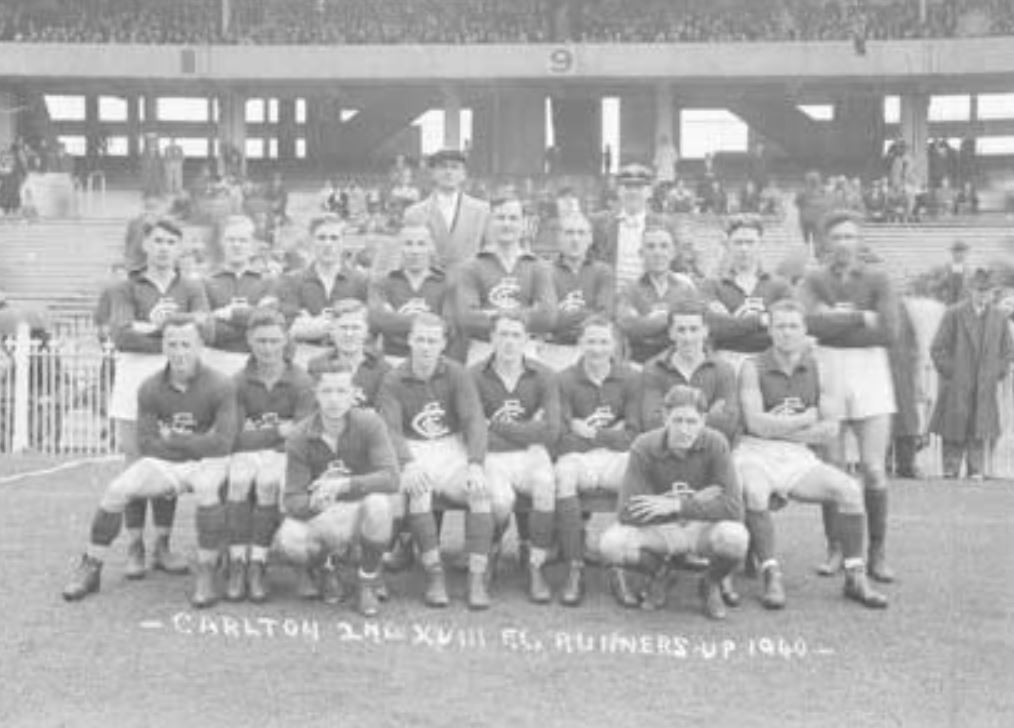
{"x": 680, "y": 496}
{"x": 349, "y": 330}
{"x": 688, "y": 362}
{"x": 308, "y": 296}
{"x": 504, "y": 277}
{"x": 642, "y": 312}
{"x": 186, "y": 427}
{"x": 738, "y": 299}
{"x": 273, "y": 395}
{"x": 456, "y": 221}
{"x": 522, "y": 408}
{"x": 788, "y": 405}
{"x": 583, "y": 287}
{"x": 236, "y": 288}
{"x": 416, "y": 286}
{"x": 599, "y": 414}
{"x": 341, "y": 471}
{"x": 853, "y": 313}
{"x": 434, "y": 416}
{"x": 138, "y": 311}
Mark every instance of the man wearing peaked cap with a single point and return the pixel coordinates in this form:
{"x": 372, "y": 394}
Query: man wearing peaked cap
{"x": 971, "y": 352}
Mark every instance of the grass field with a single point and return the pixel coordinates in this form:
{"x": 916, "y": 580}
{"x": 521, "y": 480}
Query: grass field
{"x": 136, "y": 655}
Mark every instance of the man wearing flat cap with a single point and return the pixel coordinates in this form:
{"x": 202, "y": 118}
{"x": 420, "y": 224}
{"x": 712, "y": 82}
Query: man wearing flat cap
{"x": 456, "y": 221}
{"x": 616, "y": 236}
{"x": 971, "y": 352}
{"x": 953, "y": 285}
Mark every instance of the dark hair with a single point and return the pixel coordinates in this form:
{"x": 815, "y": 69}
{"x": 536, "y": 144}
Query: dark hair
{"x": 329, "y": 366}
{"x": 263, "y": 316}
{"x": 596, "y": 321}
{"x": 687, "y": 306}
{"x": 507, "y": 315}
{"x": 834, "y": 218}
{"x": 502, "y": 197}
{"x": 787, "y": 305}
{"x": 683, "y": 396}
{"x": 164, "y": 223}
{"x": 429, "y": 319}
{"x": 327, "y": 219}
{"x": 748, "y": 221}
{"x": 181, "y": 321}
{"x": 347, "y": 307}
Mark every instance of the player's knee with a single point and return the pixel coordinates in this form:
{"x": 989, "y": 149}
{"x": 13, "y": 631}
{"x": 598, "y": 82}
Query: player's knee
{"x": 756, "y": 493}
{"x": 543, "y": 489}
{"x": 874, "y": 475}
{"x": 238, "y": 488}
{"x": 267, "y": 491}
{"x": 617, "y": 544}
{"x": 500, "y": 503}
{"x": 847, "y": 493}
{"x": 376, "y": 517}
{"x": 292, "y": 541}
{"x": 420, "y": 503}
{"x": 729, "y": 540}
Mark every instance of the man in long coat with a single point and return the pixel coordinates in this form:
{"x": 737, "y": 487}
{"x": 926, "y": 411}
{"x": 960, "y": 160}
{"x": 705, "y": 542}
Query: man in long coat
{"x": 971, "y": 352}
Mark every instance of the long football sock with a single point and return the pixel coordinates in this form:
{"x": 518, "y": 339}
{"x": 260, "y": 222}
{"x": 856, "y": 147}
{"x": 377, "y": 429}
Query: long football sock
{"x": 135, "y": 513}
{"x": 828, "y": 512}
{"x": 264, "y": 524}
{"x": 570, "y": 528}
{"x": 762, "y": 535}
{"x": 424, "y": 531}
{"x": 239, "y": 522}
{"x": 211, "y": 531}
{"x": 876, "y": 515}
{"x": 105, "y": 527}
{"x": 478, "y": 533}
{"x": 850, "y": 535}
{"x": 163, "y": 511}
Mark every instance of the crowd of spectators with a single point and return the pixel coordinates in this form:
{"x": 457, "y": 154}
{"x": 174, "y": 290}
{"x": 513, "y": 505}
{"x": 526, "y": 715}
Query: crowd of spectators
{"x": 495, "y": 21}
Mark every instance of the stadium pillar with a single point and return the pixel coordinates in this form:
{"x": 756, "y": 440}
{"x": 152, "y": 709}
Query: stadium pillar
{"x": 133, "y": 126}
{"x": 516, "y": 133}
{"x": 452, "y": 118}
{"x": 232, "y": 122}
{"x": 857, "y": 136}
{"x": 665, "y": 116}
{"x": 8, "y": 118}
{"x": 286, "y": 128}
{"x": 915, "y": 131}
{"x": 577, "y": 125}
{"x": 636, "y": 128}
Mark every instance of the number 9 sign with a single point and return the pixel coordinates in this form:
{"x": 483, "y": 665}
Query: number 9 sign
{"x": 561, "y": 60}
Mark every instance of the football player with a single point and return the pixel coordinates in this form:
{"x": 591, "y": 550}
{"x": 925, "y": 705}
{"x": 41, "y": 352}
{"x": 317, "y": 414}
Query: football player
{"x": 688, "y": 362}
{"x": 273, "y": 395}
{"x": 307, "y": 296}
{"x": 139, "y": 308}
{"x": 642, "y": 311}
{"x": 186, "y": 428}
{"x": 584, "y": 287}
{"x": 599, "y": 414}
{"x": 739, "y": 298}
{"x": 341, "y": 472}
{"x": 416, "y": 286}
{"x": 680, "y": 495}
{"x": 522, "y": 409}
{"x": 788, "y": 404}
{"x": 853, "y": 313}
{"x": 432, "y": 410}
{"x": 504, "y": 277}
{"x": 349, "y": 329}
{"x": 236, "y": 288}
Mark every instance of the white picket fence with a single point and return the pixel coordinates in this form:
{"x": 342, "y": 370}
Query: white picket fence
{"x": 54, "y": 395}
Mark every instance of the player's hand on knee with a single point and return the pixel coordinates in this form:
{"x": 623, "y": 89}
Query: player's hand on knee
{"x": 476, "y": 481}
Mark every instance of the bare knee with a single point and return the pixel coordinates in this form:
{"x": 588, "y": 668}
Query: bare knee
{"x": 240, "y": 482}
{"x": 376, "y": 518}
{"x": 566, "y": 478}
{"x": 292, "y": 541}
{"x": 848, "y": 494}
{"x": 543, "y": 490}
{"x": 756, "y": 492}
{"x": 617, "y": 544}
{"x": 728, "y": 540}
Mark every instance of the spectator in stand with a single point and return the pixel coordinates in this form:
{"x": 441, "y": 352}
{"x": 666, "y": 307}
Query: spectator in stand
{"x": 968, "y": 165}
{"x": 876, "y": 202}
{"x": 680, "y": 198}
{"x": 757, "y": 166}
{"x": 813, "y": 204}
{"x": 967, "y": 200}
{"x": 278, "y": 197}
{"x": 749, "y": 198}
{"x": 952, "y": 279}
{"x": 173, "y": 168}
{"x": 715, "y": 199}
{"x": 12, "y": 176}
{"x": 945, "y": 199}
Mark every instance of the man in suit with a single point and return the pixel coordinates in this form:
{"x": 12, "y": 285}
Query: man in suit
{"x": 616, "y": 236}
{"x": 457, "y": 221}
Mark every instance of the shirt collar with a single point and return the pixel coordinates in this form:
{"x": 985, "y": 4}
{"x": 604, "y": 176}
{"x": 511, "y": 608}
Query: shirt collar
{"x": 489, "y": 254}
{"x": 527, "y": 365}
{"x": 406, "y": 374}
{"x": 561, "y": 262}
{"x": 616, "y": 371}
{"x": 223, "y": 271}
{"x": 250, "y": 372}
{"x": 198, "y": 371}
{"x": 768, "y": 362}
{"x": 433, "y": 273}
{"x": 660, "y": 444}
{"x": 312, "y": 273}
{"x": 663, "y": 360}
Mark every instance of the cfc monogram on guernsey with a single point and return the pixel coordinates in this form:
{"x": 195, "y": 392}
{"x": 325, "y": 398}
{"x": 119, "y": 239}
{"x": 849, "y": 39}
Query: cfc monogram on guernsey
{"x": 429, "y": 423}
{"x": 510, "y": 411}
{"x": 602, "y": 417}
{"x": 573, "y": 301}
{"x": 506, "y": 294}
{"x": 337, "y": 468}
{"x": 183, "y": 423}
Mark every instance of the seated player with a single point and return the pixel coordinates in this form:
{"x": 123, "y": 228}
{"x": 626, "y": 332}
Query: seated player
{"x": 688, "y": 362}
{"x": 503, "y": 277}
{"x": 680, "y": 496}
{"x": 272, "y": 395}
{"x": 341, "y": 471}
{"x": 642, "y": 310}
{"x": 787, "y": 404}
{"x": 522, "y": 410}
{"x": 434, "y": 416}
{"x": 236, "y": 288}
{"x": 186, "y": 428}
{"x": 416, "y": 286}
{"x": 307, "y": 296}
{"x": 139, "y": 308}
{"x": 599, "y": 415}
{"x": 738, "y": 300}
{"x": 349, "y": 330}
{"x": 584, "y": 287}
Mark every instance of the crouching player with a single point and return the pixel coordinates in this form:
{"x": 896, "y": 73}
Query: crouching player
{"x": 432, "y": 411}
{"x": 787, "y": 405}
{"x": 680, "y": 496}
{"x": 341, "y": 471}
{"x": 599, "y": 406}
{"x": 273, "y": 395}
{"x": 186, "y": 428}
{"x": 521, "y": 406}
